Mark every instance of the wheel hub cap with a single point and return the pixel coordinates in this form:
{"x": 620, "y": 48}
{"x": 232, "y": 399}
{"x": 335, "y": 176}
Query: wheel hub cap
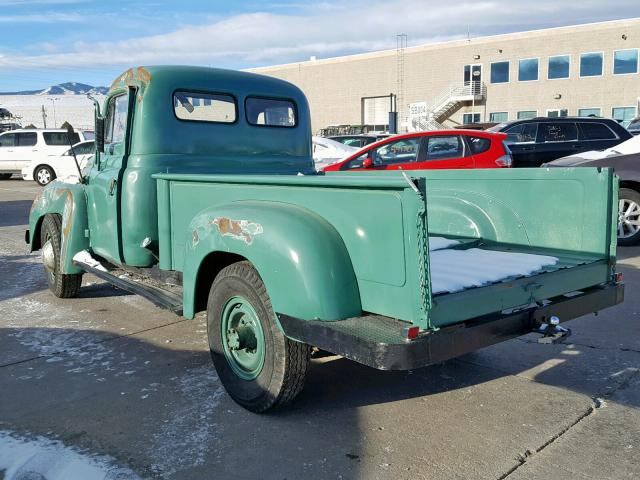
{"x": 43, "y": 176}
{"x": 628, "y": 218}
{"x": 242, "y": 338}
{"x": 48, "y": 256}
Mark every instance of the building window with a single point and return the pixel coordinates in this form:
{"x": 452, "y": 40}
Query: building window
{"x": 524, "y": 114}
{"x": 528, "y": 70}
{"x": 498, "y": 117}
{"x": 623, "y": 115}
{"x": 589, "y": 112}
{"x": 470, "y": 118}
{"x": 500, "y": 72}
{"x": 562, "y": 112}
{"x": 625, "y": 61}
{"x": 559, "y": 67}
{"x": 591, "y": 64}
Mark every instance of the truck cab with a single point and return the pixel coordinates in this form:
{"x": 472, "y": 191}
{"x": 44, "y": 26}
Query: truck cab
{"x": 198, "y": 128}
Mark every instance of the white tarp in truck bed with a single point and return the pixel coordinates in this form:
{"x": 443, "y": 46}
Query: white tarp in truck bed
{"x": 456, "y": 270}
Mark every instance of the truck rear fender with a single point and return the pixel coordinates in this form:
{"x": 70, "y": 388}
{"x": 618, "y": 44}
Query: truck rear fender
{"x": 300, "y": 257}
{"x": 68, "y": 201}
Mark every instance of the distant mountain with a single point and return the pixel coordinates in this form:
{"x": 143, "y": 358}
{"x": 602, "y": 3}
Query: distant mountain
{"x": 68, "y": 88}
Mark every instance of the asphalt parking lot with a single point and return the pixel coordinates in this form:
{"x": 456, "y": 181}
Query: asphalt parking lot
{"x": 109, "y": 374}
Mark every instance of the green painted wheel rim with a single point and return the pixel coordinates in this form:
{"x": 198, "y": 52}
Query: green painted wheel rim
{"x": 242, "y": 338}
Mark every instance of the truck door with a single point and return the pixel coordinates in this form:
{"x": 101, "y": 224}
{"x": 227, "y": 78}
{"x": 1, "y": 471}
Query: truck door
{"x": 103, "y": 184}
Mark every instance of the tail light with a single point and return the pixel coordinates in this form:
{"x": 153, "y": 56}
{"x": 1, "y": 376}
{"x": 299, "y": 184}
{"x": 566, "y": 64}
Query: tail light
{"x": 504, "y": 161}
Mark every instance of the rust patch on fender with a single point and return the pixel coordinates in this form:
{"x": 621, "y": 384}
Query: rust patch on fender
{"x": 69, "y": 214}
{"x": 238, "y": 229}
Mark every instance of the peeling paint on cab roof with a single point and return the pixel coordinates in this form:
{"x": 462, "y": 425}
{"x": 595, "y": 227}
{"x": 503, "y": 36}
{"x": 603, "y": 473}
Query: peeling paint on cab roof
{"x": 132, "y": 77}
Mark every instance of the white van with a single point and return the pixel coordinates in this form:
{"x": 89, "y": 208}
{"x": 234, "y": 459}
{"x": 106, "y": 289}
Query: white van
{"x": 45, "y": 170}
{"x": 19, "y": 147}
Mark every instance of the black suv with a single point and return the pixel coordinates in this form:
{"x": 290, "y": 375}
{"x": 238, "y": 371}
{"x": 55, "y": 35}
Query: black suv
{"x": 543, "y": 139}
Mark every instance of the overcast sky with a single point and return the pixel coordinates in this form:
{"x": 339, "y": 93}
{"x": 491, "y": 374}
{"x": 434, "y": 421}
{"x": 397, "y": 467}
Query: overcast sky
{"x": 44, "y": 42}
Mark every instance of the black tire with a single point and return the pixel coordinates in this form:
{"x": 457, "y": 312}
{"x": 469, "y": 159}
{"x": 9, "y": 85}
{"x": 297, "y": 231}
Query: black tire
{"x": 43, "y": 175}
{"x": 5, "y": 176}
{"x": 62, "y": 285}
{"x": 283, "y": 373}
{"x": 628, "y": 195}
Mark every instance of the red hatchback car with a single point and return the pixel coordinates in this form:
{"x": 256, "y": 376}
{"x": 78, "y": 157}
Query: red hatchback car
{"x": 430, "y": 150}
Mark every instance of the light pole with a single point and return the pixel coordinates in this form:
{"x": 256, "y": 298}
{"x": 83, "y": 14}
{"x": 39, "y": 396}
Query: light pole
{"x": 53, "y": 103}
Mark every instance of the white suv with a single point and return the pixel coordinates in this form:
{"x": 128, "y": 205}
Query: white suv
{"x": 20, "y": 147}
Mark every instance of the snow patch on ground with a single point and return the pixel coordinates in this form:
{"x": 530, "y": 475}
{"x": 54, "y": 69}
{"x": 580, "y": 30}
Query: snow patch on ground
{"x": 188, "y": 435}
{"x": 40, "y": 458}
{"x": 76, "y": 343}
{"x": 455, "y": 270}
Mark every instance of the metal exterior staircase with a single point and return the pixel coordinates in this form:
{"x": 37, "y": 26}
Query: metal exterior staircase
{"x": 448, "y": 103}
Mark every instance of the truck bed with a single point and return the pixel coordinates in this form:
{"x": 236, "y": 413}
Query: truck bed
{"x": 434, "y": 248}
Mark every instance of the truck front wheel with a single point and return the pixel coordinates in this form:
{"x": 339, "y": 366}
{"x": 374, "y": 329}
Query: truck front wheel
{"x": 61, "y": 284}
{"x": 259, "y": 367}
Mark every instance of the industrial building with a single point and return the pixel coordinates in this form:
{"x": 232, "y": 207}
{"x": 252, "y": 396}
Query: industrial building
{"x": 585, "y": 70}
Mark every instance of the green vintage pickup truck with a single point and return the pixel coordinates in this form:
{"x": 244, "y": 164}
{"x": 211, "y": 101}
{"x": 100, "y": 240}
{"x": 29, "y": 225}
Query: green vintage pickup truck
{"x": 203, "y": 197}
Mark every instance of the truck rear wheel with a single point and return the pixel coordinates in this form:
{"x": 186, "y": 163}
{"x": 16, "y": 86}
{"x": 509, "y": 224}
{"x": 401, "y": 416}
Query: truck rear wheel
{"x": 62, "y": 285}
{"x": 259, "y": 367}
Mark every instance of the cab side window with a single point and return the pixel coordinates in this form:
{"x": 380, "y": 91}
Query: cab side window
{"x": 116, "y": 120}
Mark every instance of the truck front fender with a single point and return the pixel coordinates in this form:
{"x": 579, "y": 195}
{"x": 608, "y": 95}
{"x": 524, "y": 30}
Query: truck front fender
{"x": 68, "y": 201}
{"x": 300, "y": 257}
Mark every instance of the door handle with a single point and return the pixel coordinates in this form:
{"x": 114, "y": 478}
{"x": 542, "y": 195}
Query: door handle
{"x": 112, "y": 186}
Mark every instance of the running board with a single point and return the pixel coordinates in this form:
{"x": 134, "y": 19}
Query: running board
{"x": 160, "y": 298}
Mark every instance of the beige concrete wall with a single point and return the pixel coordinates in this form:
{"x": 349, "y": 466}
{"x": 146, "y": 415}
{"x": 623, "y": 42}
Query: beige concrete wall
{"x": 335, "y": 86}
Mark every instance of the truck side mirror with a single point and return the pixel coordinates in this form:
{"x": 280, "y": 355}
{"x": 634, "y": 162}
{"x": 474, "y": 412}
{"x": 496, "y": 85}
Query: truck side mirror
{"x": 99, "y": 134}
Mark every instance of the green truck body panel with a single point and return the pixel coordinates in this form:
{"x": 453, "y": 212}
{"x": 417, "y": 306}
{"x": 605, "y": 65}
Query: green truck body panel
{"x": 328, "y": 247}
{"x": 311, "y": 268}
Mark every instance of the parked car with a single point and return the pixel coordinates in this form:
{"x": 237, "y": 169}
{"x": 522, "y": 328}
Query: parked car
{"x": 361, "y": 140}
{"x": 634, "y": 126}
{"x": 625, "y": 159}
{"x": 327, "y": 151}
{"x": 44, "y": 170}
{"x": 431, "y": 150}
{"x": 20, "y": 147}
{"x": 544, "y": 139}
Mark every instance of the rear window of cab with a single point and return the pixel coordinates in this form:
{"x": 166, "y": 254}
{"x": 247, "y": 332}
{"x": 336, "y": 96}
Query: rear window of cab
{"x": 222, "y": 108}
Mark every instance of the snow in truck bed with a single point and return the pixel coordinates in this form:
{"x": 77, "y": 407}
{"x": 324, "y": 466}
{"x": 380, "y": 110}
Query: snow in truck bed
{"x": 456, "y": 270}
